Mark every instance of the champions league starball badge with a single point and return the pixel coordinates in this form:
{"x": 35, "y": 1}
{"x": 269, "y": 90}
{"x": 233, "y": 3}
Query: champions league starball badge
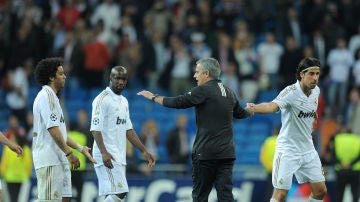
{"x": 53, "y": 117}
{"x": 96, "y": 121}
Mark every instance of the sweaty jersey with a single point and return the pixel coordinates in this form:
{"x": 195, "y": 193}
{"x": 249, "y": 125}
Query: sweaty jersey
{"x": 297, "y": 115}
{"x": 110, "y": 116}
{"x": 47, "y": 114}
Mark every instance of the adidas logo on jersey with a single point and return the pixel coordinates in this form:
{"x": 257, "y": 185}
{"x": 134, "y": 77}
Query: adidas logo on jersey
{"x": 307, "y": 114}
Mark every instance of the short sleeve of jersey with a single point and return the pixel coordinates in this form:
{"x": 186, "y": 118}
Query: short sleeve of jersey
{"x": 49, "y": 111}
{"x": 97, "y": 114}
{"x": 284, "y": 99}
{"x": 128, "y": 121}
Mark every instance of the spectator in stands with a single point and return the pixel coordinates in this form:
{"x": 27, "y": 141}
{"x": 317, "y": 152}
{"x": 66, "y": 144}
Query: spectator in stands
{"x": 68, "y": 14}
{"x": 353, "y": 111}
{"x": 14, "y": 147}
{"x": 96, "y": 59}
{"x": 178, "y": 72}
{"x": 17, "y": 95}
{"x": 110, "y": 127}
{"x": 344, "y": 149}
{"x": 295, "y": 152}
{"x": 354, "y": 43}
{"x": 356, "y": 69}
{"x": 340, "y": 61}
{"x": 149, "y": 135}
{"x": 213, "y": 151}
{"x": 270, "y": 53}
{"x": 177, "y": 143}
{"x": 267, "y": 153}
{"x": 288, "y": 61}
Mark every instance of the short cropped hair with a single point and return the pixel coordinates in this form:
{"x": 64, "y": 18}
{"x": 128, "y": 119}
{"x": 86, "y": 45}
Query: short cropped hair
{"x": 306, "y": 63}
{"x": 211, "y": 65}
{"x": 47, "y": 68}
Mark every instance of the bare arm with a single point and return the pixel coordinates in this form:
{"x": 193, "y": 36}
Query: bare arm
{"x": 60, "y": 142}
{"x": 83, "y": 149}
{"x": 106, "y": 156}
{"x": 14, "y": 147}
{"x": 149, "y": 95}
{"x": 264, "y": 108}
{"x": 134, "y": 139}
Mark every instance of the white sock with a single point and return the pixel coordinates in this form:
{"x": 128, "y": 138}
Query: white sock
{"x": 311, "y": 199}
{"x": 273, "y": 200}
{"x": 113, "y": 198}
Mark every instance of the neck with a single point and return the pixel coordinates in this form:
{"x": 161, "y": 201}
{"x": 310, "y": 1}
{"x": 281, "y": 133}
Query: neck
{"x": 307, "y": 91}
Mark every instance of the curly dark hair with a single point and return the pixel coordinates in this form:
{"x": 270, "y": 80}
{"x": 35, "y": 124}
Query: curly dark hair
{"x": 305, "y": 63}
{"x": 47, "y": 68}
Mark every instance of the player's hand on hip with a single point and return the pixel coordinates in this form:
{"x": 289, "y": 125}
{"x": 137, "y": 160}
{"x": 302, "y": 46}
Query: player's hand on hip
{"x": 86, "y": 152}
{"x": 74, "y": 161}
{"x": 107, "y": 160}
{"x": 150, "y": 158}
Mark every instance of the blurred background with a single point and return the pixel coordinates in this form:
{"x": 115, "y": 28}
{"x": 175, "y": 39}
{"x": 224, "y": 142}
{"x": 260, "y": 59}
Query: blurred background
{"x": 258, "y": 43}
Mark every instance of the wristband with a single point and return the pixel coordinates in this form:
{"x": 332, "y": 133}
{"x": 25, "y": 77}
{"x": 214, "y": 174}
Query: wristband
{"x": 68, "y": 154}
{"x": 79, "y": 147}
{"x": 154, "y": 96}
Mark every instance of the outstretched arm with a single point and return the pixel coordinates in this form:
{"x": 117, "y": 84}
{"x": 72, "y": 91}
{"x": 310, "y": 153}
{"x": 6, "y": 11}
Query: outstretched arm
{"x": 150, "y": 96}
{"x": 14, "y": 147}
{"x": 263, "y": 108}
{"x": 134, "y": 139}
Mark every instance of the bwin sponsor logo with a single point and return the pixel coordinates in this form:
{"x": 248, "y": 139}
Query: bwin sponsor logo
{"x": 307, "y": 114}
{"x": 120, "y": 121}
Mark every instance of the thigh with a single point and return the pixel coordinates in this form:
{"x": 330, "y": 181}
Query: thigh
{"x": 111, "y": 181}
{"x": 50, "y": 183}
{"x": 203, "y": 175}
{"x": 310, "y": 170}
{"x": 284, "y": 167}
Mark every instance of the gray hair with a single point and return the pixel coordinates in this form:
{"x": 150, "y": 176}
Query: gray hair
{"x": 211, "y": 65}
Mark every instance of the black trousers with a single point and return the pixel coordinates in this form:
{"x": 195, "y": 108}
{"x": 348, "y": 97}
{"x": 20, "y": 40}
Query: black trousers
{"x": 345, "y": 177}
{"x": 206, "y": 173}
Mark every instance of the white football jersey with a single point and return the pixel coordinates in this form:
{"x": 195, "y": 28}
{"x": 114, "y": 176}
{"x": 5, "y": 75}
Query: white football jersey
{"x": 110, "y": 116}
{"x": 47, "y": 114}
{"x": 297, "y": 115}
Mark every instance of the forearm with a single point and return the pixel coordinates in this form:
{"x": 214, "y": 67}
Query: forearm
{"x": 265, "y": 108}
{"x": 99, "y": 141}
{"x": 134, "y": 139}
{"x": 59, "y": 140}
{"x": 71, "y": 143}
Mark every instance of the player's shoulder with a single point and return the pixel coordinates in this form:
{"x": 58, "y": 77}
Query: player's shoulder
{"x": 288, "y": 91}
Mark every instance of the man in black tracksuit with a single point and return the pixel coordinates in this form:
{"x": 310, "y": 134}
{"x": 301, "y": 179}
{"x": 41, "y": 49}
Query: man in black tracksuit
{"x": 213, "y": 152}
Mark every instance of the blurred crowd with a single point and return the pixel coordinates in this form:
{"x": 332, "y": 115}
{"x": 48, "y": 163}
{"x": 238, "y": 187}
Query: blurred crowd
{"x": 258, "y": 43}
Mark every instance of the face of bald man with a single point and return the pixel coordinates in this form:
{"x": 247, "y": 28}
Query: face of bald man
{"x": 118, "y": 79}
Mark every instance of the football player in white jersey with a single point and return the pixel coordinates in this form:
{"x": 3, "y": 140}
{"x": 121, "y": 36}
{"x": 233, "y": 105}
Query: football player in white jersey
{"x": 50, "y": 149}
{"x": 295, "y": 152}
{"x": 111, "y": 126}
{"x": 14, "y": 147}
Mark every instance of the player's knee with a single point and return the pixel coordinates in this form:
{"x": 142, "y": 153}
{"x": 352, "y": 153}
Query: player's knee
{"x": 320, "y": 193}
{"x": 121, "y": 196}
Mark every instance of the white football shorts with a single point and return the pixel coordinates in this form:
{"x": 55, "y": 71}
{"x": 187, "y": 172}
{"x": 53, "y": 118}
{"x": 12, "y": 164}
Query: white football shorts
{"x": 307, "y": 169}
{"x": 53, "y": 182}
{"x": 111, "y": 181}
